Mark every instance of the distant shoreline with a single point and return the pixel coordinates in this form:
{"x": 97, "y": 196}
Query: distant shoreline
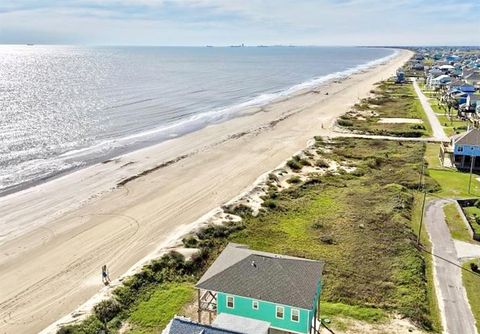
{"x": 244, "y": 108}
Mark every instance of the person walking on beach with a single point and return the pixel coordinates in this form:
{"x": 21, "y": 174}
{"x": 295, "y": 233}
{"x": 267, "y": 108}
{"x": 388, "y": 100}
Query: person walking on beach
{"x": 105, "y": 276}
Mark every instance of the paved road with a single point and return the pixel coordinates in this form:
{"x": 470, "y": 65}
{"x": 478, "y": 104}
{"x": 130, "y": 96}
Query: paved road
{"x": 467, "y": 250}
{"x": 457, "y": 317}
{"x": 432, "y": 118}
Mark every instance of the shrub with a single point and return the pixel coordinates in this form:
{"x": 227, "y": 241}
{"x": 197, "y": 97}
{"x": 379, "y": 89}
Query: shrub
{"x": 322, "y": 163}
{"x": 327, "y": 239}
{"x": 272, "y": 177}
{"x": 190, "y": 242}
{"x": 474, "y": 267}
{"x": 106, "y": 310}
{"x": 269, "y": 203}
{"x": 294, "y": 180}
{"x": 294, "y": 164}
{"x": 239, "y": 210}
{"x": 345, "y": 122}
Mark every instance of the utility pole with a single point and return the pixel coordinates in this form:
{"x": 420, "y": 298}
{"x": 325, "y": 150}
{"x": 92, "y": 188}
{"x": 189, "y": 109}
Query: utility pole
{"x": 422, "y": 185}
{"x": 472, "y": 161}
{"x": 421, "y": 176}
{"x": 421, "y": 218}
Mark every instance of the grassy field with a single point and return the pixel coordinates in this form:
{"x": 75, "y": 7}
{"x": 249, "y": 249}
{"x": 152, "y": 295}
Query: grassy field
{"x": 451, "y": 125}
{"x": 154, "y": 313}
{"x": 454, "y": 184}
{"x": 348, "y": 220}
{"x": 472, "y": 213}
{"x": 390, "y": 101}
{"x": 471, "y": 282}
{"x": 455, "y": 223}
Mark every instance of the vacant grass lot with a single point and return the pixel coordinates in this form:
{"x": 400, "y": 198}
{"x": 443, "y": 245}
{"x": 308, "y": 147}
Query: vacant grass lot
{"x": 456, "y": 224}
{"x": 471, "y": 282}
{"x": 153, "y": 314}
{"x": 453, "y": 183}
{"x": 453, "y": 125}
{"x": 360, "y": 224}
{"x": 390, "y": 101}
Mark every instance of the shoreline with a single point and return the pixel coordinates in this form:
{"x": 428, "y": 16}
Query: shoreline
{"x": 123, "y": 226}
{"x": 244, "y": 108}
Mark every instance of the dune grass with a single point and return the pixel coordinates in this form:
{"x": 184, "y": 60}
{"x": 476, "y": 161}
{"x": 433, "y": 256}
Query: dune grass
{"x": 154, "y": 313}
{"x": 471, "y": 282}
{"x": 348, "y": 221}
{"x": 390, "y": 101}
{"x": 369, "y": 314}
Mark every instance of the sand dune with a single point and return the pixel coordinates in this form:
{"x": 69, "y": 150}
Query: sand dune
{"x": 55, "y": 237}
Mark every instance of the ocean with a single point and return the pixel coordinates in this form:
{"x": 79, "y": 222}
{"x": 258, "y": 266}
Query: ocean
{"x": 66, "y": 107}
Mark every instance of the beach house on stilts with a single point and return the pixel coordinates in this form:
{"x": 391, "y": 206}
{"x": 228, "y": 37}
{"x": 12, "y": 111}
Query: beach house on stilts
{"x": 251, "y": 292}
{"x": 271, "y": 293}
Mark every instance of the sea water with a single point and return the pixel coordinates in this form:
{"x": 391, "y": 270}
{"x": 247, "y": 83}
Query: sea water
{"x": 64, "y": 107}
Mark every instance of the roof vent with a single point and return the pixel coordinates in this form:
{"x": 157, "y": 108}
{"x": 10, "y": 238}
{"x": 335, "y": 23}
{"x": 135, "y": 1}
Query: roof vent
{"x": 254, "y": 264}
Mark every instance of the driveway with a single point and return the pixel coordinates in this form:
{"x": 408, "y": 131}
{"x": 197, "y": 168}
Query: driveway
{"x": 437, "y": 128}
{"x": 457, "y": 317}
{"x": 467, "y": 250}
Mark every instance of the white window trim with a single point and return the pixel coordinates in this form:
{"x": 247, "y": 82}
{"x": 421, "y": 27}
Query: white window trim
{"x": 255, "y": 302}
{"x": 233, "y": 302}
{"x": 291, "y": 314}
{"x": 276, "y": 312}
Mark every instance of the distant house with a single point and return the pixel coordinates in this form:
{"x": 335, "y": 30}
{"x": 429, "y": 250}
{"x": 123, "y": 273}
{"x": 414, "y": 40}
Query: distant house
{"x": 400, "y": 77}
{"x": 440, "y": 81}
{"x": 244, "y": 286}
{"x": 452, "y": 58}
{"x": 465, "y": 147}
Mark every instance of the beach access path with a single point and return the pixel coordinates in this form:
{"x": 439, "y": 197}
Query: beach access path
{"x": 437, "y": 128}
{"x": 451, "y": 295}
{"x": 54, "y": 238}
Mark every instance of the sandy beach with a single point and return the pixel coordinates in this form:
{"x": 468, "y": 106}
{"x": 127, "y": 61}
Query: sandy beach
{"x": 55, "y": 237}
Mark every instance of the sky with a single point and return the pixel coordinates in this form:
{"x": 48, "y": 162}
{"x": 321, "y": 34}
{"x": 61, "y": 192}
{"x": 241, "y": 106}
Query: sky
{"x": 228, "y": 22}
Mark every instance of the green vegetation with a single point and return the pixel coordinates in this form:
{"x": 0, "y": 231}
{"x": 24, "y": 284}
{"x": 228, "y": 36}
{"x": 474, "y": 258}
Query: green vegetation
{"x": 456, "y": 224}
{"x": 451, "y": 125}
{"x": 369, "y": 314}
{"x": 297, "y": 163}
{"x": 347, "y": 220}
{"x": 148, "y": 299}
{"x": 473, "y": 216}
{"x": 471, "y": 281}
{"x": 390, "y": 101}
{"x": 152, "y": 315}
{"x": 454, "y": 184}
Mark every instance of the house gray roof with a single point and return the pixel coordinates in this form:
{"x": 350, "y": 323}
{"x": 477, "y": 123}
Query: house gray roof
{"x": 264, "y": 276}
{"x": 184, "y": 326}
{"x": 471, "y": 137}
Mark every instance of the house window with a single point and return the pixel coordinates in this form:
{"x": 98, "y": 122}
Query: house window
{"x": 279, "y": 312}
{"x": 255, "y": 304}
{"x": 230, "y": 303}
{"x": 295, "y": 315}
{"x": 460, "y": 149}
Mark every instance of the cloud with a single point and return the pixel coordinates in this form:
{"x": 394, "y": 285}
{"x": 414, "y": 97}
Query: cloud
{"x": 198, "y": 22}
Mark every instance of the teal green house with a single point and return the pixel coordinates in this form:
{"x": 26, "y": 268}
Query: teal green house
{"x": 263, "y": 293}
